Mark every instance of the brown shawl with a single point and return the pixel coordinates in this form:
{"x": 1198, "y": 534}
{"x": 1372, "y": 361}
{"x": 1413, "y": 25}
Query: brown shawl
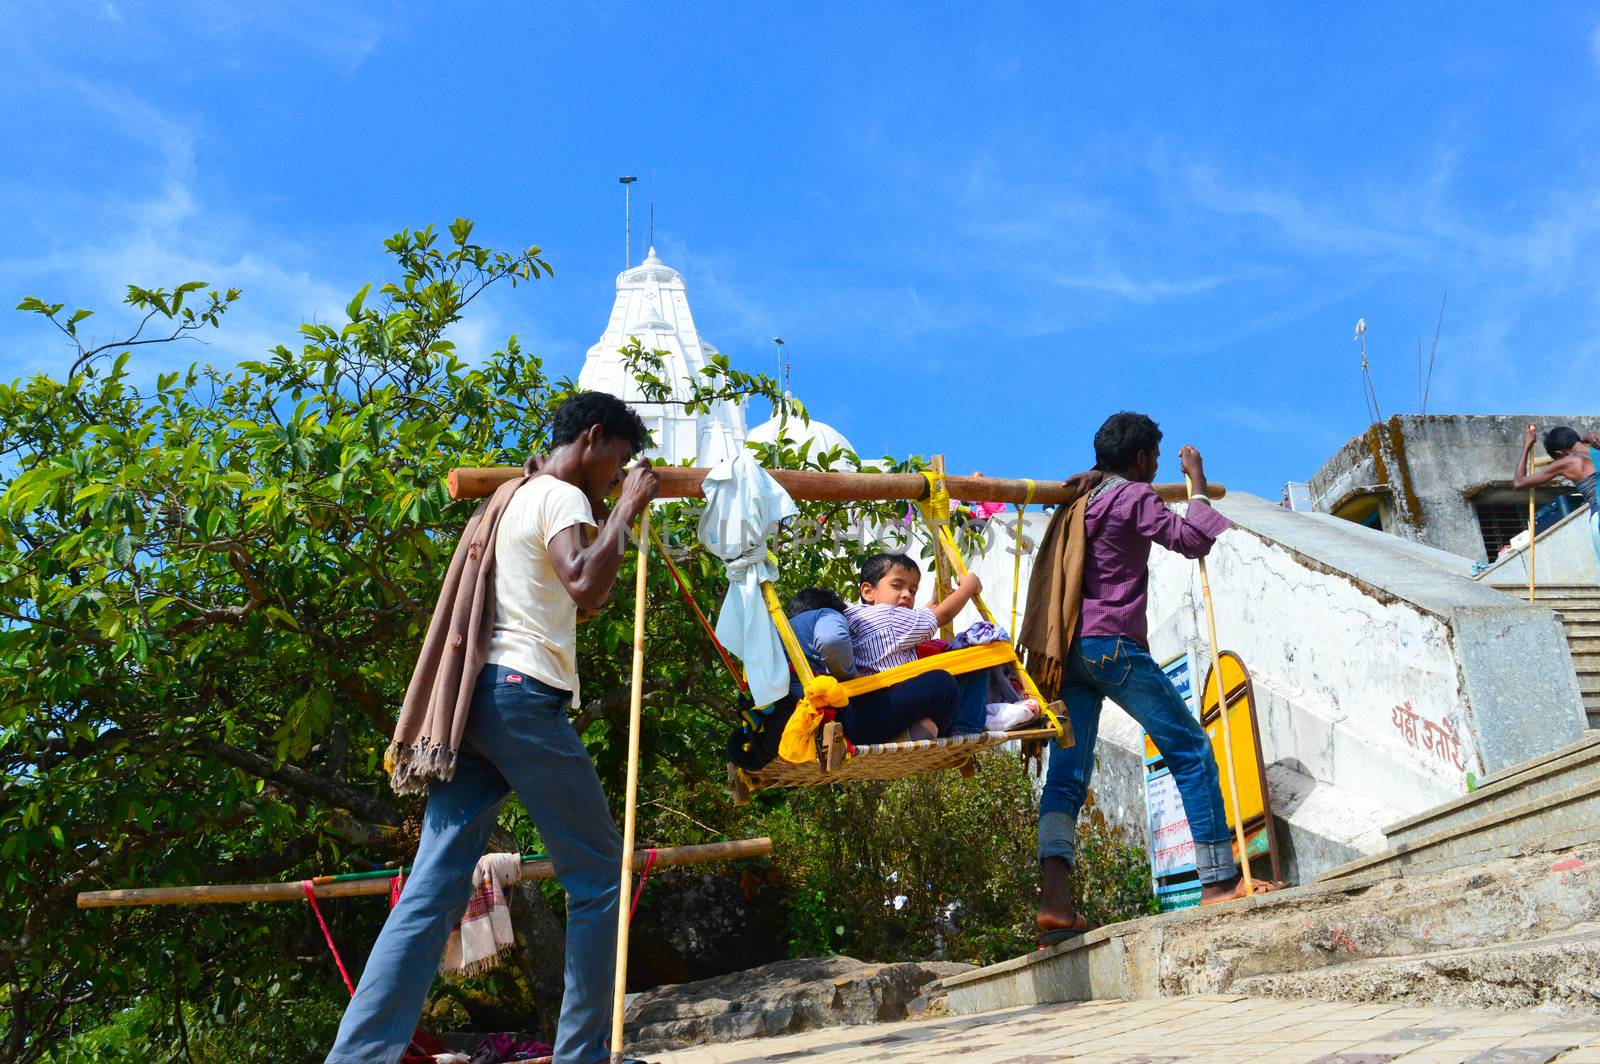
{"x": 439, "y": 696}
{"x": 1055, "y": 588}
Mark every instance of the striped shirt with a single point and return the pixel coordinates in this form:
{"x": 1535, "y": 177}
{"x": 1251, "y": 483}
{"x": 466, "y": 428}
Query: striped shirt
{"x": 1120, "y": 525}
{"x": 885, "y": 636}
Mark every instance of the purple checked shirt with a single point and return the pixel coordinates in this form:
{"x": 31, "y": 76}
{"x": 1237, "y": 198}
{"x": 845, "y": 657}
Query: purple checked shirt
{"x": 1120, "y": 525}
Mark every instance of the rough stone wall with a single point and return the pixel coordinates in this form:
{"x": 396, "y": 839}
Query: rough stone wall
{"x": 1428, "y": 470}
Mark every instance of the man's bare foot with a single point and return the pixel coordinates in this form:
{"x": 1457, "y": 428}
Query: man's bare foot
{"x": 1232, "y": 889}
{"x": 1223, "y": 890}
{"x": 923, "y": 729}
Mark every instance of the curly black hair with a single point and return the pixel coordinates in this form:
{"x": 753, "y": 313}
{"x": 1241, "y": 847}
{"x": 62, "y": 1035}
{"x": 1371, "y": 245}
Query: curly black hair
{"x": 1560, "y": 440}
{"x": 1121, "y": 438}
{"x": 582, "y": 410}
{"x": 814, "y": 598}
{"x": 877, "y": 567}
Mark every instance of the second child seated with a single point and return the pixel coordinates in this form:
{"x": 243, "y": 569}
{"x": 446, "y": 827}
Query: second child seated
{"x": 885, "y": 629}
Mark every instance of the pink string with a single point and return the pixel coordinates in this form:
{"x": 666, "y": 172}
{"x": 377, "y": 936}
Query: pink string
{"x": 644, "y": 874}
{"x": 311, "y": 896}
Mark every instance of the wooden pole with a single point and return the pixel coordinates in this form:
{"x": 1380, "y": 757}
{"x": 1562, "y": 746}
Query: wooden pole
{"x": 327, "y": 887}
{"x": 619, "y": 990}
{"x": 1533, "y": 531}
{"x": 682, "y": 482}
{"x": 1222, "y": 708}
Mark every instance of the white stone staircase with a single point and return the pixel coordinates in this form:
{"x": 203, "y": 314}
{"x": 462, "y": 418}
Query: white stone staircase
{"x": 1500, "y": 887}
{"x": 1579, "y": 608}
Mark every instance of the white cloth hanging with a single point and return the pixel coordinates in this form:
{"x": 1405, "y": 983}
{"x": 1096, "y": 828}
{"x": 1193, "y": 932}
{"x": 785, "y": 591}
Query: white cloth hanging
{"x": 744, "y": 507}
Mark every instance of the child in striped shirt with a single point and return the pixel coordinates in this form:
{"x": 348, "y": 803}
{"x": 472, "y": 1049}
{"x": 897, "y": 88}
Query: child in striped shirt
{"x": 885, "y": 629}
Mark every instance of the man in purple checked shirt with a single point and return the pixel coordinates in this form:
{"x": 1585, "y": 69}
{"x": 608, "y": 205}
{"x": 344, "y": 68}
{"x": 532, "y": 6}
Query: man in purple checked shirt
{"x": 1110, "y": 658}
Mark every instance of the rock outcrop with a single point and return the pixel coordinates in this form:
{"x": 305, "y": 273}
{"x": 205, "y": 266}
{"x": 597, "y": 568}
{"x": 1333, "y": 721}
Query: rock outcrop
{"x": 781, "y": 998}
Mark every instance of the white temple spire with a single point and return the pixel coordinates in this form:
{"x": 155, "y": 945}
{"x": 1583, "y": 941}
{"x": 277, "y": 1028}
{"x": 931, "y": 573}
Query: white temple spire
{"x": 652, "y": 304}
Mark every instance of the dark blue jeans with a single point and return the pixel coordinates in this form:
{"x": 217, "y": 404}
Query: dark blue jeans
{"x": 517, "y": 738}
{"x": 879, "y": 716}
{"x": 1099, "y": 667}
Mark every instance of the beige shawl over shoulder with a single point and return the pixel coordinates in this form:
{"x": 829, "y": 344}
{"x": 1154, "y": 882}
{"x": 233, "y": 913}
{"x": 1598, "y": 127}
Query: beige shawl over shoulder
{"x": 428, "y": 733}
{"x": 1055, "y": 588}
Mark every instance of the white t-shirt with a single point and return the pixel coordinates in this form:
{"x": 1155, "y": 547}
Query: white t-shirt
{"x": 535, "y": 620}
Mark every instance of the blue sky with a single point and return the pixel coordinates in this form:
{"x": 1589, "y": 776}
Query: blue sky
{"x": 979, "y": 227}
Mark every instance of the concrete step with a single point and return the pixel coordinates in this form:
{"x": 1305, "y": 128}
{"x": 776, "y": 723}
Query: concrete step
{"x": 1301, "y": 929}
{"x": 1558, "y": 973}
{"x": 1561, "y": 819}
{"x": 1577, "y": 764}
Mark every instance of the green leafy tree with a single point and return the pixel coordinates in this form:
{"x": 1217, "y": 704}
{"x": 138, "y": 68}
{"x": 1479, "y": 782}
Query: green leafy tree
{"x": 212, "y": 589}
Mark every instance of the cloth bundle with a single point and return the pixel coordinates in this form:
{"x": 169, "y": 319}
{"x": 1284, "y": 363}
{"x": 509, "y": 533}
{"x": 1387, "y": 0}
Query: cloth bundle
{"x": 484, "y": 932}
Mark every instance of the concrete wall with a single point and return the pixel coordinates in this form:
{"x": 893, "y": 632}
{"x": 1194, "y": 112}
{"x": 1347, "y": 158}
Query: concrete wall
{"x": 1383, "y": 675}
{"x": 1428, "y": 469}
{"x": 1564, "y": 554}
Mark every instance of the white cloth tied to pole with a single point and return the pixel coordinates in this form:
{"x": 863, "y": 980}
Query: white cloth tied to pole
{"x": 484, "y": 932}
{"x": 744, "y": 507}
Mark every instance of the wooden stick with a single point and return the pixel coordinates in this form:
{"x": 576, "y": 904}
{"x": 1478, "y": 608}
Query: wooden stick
{"x": 238, "y": 893}
{"x": 681, "y": 482}
{"x": 1222, "y": 707}
{"x": 1533, "y": 531}
{"x": 619, "y": 990}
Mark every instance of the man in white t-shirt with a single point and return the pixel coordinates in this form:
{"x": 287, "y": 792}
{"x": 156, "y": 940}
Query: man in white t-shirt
{"x": 549, "y": 563}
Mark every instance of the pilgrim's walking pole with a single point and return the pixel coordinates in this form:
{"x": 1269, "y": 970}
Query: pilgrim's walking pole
{"x": 1222, "y": 708}
{"x": 1532, "y": 530}
{"x": 635, "y": 711}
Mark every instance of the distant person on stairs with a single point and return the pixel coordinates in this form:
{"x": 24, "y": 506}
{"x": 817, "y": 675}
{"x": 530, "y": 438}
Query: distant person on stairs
{"x": 1085, "y": 633}
{"x": 1574, "y": 457}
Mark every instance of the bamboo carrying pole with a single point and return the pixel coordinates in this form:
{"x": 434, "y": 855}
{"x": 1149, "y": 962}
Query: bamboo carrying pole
{"x": 682, "y": 482}
{"x": 1222, "y": 709}
{"x": 352, "y": 885}
{"x": 619, "y": 988}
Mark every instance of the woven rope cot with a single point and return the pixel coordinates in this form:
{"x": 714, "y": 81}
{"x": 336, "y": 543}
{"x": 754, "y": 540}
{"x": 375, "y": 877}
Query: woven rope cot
{"x": 881, "y": 761}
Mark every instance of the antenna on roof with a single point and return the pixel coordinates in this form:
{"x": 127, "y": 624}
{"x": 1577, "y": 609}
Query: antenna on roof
{"x": 1369, "y": 394}
{"x": 652, "y": 206}
{"x": 1436, "y": 329}
{"x": 627, "y": 220}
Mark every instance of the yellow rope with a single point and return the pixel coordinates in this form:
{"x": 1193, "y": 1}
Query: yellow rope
{"x": 1016, "y": 562}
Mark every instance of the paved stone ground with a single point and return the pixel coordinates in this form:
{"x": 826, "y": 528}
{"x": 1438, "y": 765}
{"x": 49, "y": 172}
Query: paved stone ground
{"x": 1207, "y": 1029}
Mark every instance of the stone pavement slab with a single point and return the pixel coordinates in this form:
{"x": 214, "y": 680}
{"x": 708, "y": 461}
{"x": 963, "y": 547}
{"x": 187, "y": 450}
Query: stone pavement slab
{"x": 1203, "y": 1029}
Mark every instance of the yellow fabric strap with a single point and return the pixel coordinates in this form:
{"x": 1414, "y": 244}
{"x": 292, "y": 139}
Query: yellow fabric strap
{"x": 1016, "y": 562}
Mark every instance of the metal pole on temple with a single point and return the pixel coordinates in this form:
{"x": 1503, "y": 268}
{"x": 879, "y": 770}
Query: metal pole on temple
{"x": 1222, "y": 709}
{"x": 619, "y": 998}
{"x": 627, "y": 219}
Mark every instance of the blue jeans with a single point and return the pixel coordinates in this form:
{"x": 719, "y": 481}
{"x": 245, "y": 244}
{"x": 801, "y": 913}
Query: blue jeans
{"x": 972, "y": 707}
{"x": 517, "y": 738}
{"x": 1100, "y": 667}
